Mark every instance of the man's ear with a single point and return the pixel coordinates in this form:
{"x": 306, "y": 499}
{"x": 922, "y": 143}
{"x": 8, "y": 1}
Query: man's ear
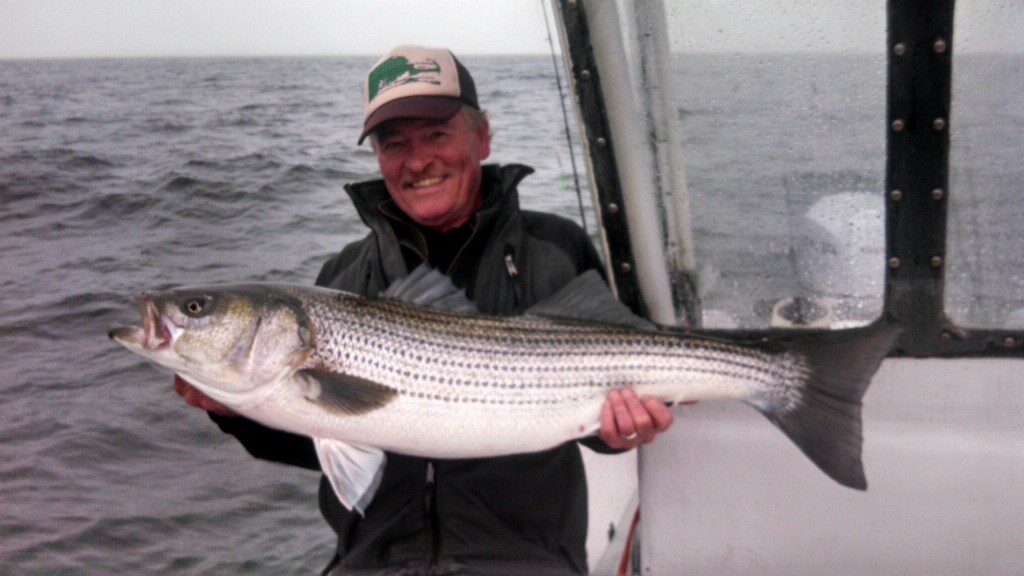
{"x": 483, "y": 132}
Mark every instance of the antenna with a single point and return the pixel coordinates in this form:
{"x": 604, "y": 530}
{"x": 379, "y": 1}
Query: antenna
{"x": 565, "y": 119}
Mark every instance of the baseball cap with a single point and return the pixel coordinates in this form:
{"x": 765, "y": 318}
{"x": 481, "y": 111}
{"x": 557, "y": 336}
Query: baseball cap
{"x": 415, "y": 82}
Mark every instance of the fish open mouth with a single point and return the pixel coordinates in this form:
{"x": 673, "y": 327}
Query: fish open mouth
{"x": 154, "y": 333}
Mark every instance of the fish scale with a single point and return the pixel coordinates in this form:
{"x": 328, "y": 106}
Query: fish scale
{"x": 422, "y": 376}
{"x": 545, "y": 362}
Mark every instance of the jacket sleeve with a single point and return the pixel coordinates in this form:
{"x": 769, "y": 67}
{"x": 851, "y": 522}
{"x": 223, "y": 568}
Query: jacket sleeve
{"x": 268, "y": 443}
{"x": 564, "y": 236}
{"x": 568, "y": 238}
{"x": 590, "y": 260}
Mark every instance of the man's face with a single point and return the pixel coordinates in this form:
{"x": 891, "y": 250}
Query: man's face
{"x": 432, "y": 168}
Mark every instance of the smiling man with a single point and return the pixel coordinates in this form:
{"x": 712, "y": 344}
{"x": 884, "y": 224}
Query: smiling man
{"x": 432, "y": 167}
{"x": 438, "y": 204}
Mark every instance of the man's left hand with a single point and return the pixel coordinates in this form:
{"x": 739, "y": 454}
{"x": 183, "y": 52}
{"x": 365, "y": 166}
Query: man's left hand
{"x": 628, "y": 420}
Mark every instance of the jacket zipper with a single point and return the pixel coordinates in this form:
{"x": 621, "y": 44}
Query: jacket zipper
{"x": 472, "y": 234}
{"x": 424, "y": 254}
{"x": 432, "y": 516}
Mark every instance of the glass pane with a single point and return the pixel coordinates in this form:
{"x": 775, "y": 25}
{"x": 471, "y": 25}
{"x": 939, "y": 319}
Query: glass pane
{"x": 782, "y": 114}
{"x": 985, "y": 275}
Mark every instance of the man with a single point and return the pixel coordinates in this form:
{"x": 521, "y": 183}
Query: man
{"x": 436, "y": 203}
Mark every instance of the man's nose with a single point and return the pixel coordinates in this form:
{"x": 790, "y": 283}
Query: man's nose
{"x": 420, "y": 157}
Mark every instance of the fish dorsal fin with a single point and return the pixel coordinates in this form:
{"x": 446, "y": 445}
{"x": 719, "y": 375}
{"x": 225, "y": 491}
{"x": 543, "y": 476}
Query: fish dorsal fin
{"x": 587, "y": 297}
{"x": 429, "y": 288}
{"x": 343, "y": 393}
{"x": 354, "y": 471}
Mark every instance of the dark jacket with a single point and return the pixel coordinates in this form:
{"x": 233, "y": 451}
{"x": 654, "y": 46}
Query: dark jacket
{"x": 521, "y": 514}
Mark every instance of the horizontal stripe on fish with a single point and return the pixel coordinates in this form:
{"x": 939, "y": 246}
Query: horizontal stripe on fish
{"x": 364, "y": 375}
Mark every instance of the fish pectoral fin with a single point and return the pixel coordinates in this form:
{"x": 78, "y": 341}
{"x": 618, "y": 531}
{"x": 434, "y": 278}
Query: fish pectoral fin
{"x": 353, "y": 470}
{"x": 344, "y": 393}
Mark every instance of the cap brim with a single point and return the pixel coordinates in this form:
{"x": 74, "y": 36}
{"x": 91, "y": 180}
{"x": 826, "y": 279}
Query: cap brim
{"x": 425, "y": 107}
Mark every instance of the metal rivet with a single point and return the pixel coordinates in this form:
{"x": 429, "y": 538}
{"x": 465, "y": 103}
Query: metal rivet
{"x": 1009, "y": 342}
{"x": 601, "y": 142}
{"x": 938, "y": 193}
{"x": 897, "y": 125}
{"x": 585, "y": 74}
{"x": 613, "y": 208}
{"x": 936, "y": 261}
{"x": 894, "y": 262}
{"x": 940, "y": 46}
{"x": 899, "y": 49}
{"x": 946, "y": 337}
{"x": 939, "y": 124}
{"x": 896, "y": 195}
{"x": 572, "y": 3}
{"x": 625, "y": 267}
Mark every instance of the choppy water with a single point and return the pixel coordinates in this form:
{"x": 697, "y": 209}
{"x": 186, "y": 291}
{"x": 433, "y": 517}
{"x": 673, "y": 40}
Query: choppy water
{"x": 123, "y": 175}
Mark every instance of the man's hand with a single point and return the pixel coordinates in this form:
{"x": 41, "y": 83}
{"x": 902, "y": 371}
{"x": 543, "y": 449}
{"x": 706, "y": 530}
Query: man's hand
{"x": 194, "y": 397}
{"x": 628, "y": 421}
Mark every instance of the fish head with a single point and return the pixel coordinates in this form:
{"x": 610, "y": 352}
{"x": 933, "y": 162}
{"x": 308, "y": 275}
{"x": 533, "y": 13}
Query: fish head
{"x": 228, "y": 340}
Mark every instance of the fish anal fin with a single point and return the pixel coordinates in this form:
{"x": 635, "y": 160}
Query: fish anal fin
{"x": 343, "y": 393}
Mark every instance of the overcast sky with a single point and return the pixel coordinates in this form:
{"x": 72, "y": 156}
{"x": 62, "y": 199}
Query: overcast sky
{"x": 91, "y": 28}
{"x": 61, "y": 28}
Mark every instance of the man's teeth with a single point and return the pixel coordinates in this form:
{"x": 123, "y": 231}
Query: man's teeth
{"x": 427, "y": 182}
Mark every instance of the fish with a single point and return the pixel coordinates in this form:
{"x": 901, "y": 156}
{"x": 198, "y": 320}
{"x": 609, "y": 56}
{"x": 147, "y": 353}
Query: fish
{"x": 419, "y": 371}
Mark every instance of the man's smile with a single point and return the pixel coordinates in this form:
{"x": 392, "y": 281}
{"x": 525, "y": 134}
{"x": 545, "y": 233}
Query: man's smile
{"x": 427, "y": 182}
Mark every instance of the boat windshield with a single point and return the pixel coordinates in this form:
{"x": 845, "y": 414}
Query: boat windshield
{"x": 985, "y": 276}
{"x": 783, "y": 144}
{"x": 779, "y": 217}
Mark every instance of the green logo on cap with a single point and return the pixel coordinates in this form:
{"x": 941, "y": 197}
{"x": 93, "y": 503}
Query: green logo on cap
{"x": 397, "y": 71}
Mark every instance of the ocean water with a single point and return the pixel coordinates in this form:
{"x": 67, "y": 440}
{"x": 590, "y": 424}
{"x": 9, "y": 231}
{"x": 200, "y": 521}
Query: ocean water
{"x": 123, "y": 175}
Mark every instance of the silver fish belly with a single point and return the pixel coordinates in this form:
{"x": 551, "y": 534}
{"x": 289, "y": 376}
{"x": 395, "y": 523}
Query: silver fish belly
{"x": 470, "y": 386}
{"x": 413, "y": 372}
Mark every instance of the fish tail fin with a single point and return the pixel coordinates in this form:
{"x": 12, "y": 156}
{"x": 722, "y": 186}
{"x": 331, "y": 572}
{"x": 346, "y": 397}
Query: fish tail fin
{"x": 822, "y": 414}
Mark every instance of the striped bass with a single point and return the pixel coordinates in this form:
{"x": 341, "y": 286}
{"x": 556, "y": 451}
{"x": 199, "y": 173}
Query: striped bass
{"x": 418, "y": 372}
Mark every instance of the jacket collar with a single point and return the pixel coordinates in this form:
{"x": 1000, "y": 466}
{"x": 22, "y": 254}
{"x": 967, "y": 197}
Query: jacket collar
{"x": 379, "y": 212}
{"x": 498, "y": 186}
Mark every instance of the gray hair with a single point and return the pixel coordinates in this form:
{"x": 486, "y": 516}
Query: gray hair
{"x": 475, "y": 117}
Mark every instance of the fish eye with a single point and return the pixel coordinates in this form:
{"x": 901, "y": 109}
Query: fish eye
{"x": 195, "y": 307}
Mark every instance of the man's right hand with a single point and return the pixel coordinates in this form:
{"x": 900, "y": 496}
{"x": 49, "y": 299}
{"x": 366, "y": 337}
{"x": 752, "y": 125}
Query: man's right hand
{"x": 194, "y": 397}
